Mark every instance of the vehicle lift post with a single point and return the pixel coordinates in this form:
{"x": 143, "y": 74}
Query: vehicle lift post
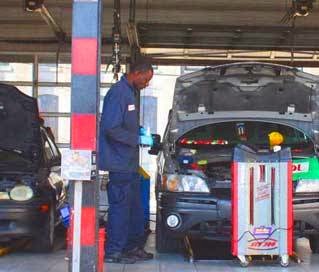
{"x": 86, "y": 43}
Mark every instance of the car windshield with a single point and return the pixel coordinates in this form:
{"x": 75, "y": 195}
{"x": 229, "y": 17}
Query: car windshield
{"x": 250, "y": 132}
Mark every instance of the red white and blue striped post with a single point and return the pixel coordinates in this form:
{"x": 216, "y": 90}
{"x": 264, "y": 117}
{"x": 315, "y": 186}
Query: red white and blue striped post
{"x": 86, "y": 40}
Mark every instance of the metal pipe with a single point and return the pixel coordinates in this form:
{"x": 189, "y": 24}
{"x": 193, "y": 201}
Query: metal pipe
{"x": 251, "y": 196}
{"x": 273, "y": 177}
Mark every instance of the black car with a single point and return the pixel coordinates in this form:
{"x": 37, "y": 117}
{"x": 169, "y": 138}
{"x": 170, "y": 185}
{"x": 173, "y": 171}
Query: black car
{"x": 31, "y": 189}
{"x": 216, "y": 109}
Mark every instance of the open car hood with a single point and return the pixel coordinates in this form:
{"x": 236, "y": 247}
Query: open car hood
{"x": 19, "y": 124}
{"x": 246, "y": 91}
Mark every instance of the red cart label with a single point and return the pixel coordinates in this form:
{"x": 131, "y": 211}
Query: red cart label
{"x": 300, "y": 167}
{"x": 263, "y": 244}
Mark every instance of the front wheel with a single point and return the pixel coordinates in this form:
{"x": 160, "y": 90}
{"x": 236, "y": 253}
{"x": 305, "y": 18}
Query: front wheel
{"x": 44, "y": 240}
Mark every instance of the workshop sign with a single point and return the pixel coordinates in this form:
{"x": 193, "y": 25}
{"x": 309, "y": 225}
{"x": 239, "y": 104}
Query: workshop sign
{"x": 76, "y": 164}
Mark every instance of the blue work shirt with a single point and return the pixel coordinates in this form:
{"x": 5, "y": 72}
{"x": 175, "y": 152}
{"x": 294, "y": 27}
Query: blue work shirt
{"x": 119, "y": 129}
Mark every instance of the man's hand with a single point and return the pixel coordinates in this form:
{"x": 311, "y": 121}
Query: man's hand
{"x": 145, "y": 138}
{"x": 142, "y": 131}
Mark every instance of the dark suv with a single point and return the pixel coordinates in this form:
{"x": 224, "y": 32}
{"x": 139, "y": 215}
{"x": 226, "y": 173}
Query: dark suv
{"x": 31, "y": 189}
{"x": 216, "y": 109}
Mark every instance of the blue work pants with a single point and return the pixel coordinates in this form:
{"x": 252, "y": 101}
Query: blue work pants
{"x": 125, "y": 224}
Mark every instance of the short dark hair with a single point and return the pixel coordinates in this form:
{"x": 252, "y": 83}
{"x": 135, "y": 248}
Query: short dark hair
{"x": 141, "y": 65}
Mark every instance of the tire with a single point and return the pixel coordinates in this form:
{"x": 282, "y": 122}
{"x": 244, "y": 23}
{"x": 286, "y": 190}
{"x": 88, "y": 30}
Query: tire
{"x": 163, "y": 242}
{"x": 314, "y": 243}
{"x": 44, "y": 240}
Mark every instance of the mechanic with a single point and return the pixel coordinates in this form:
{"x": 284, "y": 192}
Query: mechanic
{"x": 119, "y": 141}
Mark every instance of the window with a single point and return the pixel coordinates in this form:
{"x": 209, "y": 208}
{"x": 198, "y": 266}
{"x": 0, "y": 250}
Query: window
{"x": 60, "y": 127}
{"x": 48, "y": 72}
{"x": 16, "y": 71}
{"x": 107, "y": 75}
{"x": 54, "y": 99}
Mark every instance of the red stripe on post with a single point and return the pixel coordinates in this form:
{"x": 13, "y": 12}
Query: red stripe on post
{"x": 84, "y": 56}
{"x": 234, "y": 191}
{"x": 88, "y": 226}
{"x": 83, "y": 131}
{"x": 290, "y": 217}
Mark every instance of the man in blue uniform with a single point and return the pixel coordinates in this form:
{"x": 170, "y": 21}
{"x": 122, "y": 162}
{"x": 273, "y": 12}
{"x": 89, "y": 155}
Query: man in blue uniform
{"x": 119, "y": 141}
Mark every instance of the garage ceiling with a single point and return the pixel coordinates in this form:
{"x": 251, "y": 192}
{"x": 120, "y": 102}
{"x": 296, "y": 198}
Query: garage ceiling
{"x": 175, "y": 31}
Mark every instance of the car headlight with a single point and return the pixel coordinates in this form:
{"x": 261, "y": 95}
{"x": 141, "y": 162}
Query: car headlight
{"x": 307, "y": 186}
{"x": 186, "y": 183}
{"x": 21, "y": 193}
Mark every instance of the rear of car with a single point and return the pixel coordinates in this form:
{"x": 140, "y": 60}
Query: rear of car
{"x": 30, "y": 189}
{"x": 216, "y": 109}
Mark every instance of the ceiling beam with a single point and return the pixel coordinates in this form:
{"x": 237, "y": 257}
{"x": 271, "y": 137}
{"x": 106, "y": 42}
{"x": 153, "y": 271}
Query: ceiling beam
{"x": 192, "y": 36}
{"x": 149, "y": 26}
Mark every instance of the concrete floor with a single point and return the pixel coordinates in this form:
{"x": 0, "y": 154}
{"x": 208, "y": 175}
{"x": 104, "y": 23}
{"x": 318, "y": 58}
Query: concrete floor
{"x": 28, "y": 262}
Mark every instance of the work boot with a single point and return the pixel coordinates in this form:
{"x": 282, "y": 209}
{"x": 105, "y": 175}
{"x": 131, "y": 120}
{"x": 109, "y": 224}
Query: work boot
{"x": 140, "y": 254}
{"x": 121, "y": 258}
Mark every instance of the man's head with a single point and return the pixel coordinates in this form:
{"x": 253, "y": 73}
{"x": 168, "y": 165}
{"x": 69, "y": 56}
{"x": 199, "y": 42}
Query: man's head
{"x": 141, "y": 72}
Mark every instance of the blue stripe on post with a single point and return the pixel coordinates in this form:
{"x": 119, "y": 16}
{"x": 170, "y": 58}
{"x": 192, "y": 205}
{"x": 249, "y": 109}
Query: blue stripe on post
{"x": 84, "y": 96}
{"x": 86, "y": 26}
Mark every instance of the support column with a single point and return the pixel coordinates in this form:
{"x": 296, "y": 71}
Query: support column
{"x": 86, "y": 41}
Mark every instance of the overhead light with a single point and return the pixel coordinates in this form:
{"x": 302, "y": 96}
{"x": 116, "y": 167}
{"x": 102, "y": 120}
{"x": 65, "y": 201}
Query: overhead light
{"x": 33, "y": 5}
{"x": 303, "y": 7}
{"x": 39, "y": 7}
{"x": 299, "y": 8}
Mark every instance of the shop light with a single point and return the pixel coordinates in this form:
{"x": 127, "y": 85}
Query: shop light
{"x": 33, "y": 5}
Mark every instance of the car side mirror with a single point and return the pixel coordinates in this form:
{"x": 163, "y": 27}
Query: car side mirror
{"x": 157, "y": 145}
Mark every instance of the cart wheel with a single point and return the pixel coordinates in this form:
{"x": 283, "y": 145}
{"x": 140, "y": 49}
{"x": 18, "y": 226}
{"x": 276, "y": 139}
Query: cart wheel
{"x": 284, "y": 260}
{"x": 244, "y": 261}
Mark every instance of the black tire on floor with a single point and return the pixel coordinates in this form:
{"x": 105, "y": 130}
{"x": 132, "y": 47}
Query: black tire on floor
{"x": 44, "y": 240}
{"x": 314, "y": 243}
{"x": 163, "y": 242}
